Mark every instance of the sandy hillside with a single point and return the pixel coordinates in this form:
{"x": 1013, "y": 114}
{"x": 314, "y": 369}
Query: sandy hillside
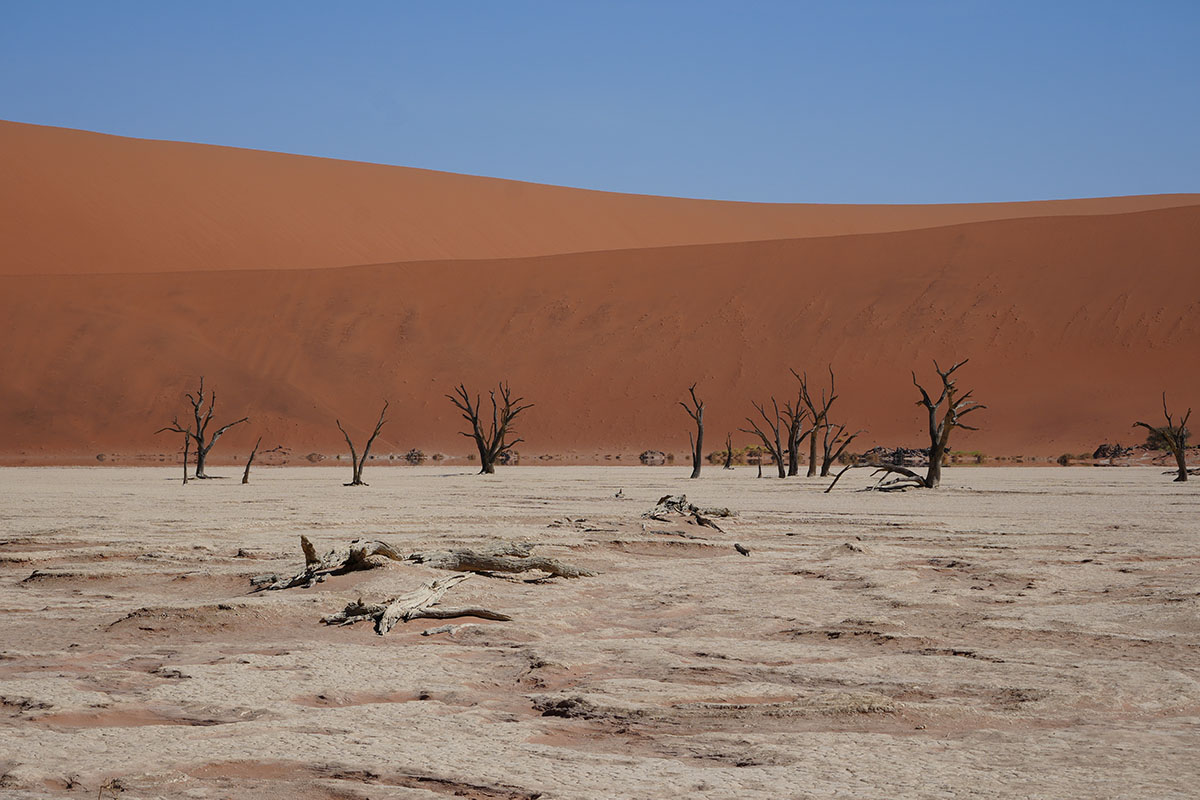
{"x": 1018, "y": 633}
{"x": 131, "y": 267}
{"x": 78, "y": 202}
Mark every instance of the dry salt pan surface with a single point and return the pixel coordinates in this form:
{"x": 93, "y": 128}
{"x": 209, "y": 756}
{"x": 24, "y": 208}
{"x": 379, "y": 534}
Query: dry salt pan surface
{"x": 1017, "y": 633}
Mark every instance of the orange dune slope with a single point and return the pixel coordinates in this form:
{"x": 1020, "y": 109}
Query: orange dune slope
{"x": 73, "y": 202}
{"x": 1073, "y": 324}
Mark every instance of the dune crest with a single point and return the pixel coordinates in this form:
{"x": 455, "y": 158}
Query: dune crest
{"x": 74, "y": 202}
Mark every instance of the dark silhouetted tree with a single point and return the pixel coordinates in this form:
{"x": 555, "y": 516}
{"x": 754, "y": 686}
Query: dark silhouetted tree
{"x": 696, "y": 412}
{"x": 491, "y": 440}
{"x": 202, "y": 414}
{"x": 818, "y": 413}
{"x": 358, "y": 462}
{"x": 834, "y": 443}
{"x": 773, "y": 442}
{"x": 1173, "y": 435}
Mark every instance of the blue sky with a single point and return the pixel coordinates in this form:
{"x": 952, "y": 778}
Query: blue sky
{"x": 861, "y": 102}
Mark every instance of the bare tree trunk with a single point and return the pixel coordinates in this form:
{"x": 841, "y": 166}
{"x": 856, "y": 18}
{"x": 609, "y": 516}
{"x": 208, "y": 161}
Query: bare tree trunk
{"x": 358, "y": 463}
{"x": 254, "y": 452}
{"x": 696, "y": 412}
{"x": 187, "y": 440}
{"x": 728, "y": 452}
{"x": 795, "y": 421}
{"x": 1181, "y": 461}
{"x": 249, "y": 461}
{"x": 201, "y": 456}
{"x": 830, "y": 442}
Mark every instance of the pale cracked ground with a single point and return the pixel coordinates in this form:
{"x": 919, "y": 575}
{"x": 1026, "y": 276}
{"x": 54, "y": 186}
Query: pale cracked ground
{"x": 1017, "y": 633}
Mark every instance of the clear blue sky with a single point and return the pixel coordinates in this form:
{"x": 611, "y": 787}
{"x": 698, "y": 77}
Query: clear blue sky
{"x": 901, "y": 101}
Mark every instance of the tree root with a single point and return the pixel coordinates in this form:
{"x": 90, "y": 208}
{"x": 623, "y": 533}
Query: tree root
{"x": 417, "y": 604}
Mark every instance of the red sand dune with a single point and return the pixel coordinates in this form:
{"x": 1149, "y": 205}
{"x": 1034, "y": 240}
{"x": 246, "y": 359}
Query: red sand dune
{"x": 130, "y": 267}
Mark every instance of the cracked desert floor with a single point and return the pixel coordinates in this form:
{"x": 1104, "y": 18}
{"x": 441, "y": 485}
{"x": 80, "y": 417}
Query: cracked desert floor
{"x": 1019, "y": 632}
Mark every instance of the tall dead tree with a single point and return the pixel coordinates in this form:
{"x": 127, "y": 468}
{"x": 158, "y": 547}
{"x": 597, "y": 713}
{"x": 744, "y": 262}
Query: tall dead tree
{"x": 197, "y": 431}
{"x": 957, "y": 406}
{"x": 696, "y": 412}
{"x": 1174, "y": 436}
{"x": 819, "y": 413}
{"x": 794, "y": 415}
{"x": 358, "y": 462}
{"x": 253, "y": 453}
{"x": 728, "y": 452}
{"x": 833, "y": 445}
{"x": 773, "y": 442}
{"x": 491, "y": 441}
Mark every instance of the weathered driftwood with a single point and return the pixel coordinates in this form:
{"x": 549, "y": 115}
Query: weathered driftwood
{"x": 360, "y": 554}
{"x": 417, "y": 604}
{"x": 507, "y": 558}
{"x": 678, "y": 504}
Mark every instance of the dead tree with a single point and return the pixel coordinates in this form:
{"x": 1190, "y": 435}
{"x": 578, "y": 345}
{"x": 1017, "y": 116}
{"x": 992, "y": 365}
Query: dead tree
{"x": 795, "y": 416}
{"x": 253, "y": 453}
{"x": 956, "y": 407}
{"x": 202, "y": 417}
{"x": 819, "y": 412}
{"x": 773, "y": 441}
{"x": 833, "y": 445}
{"x": 492, "y": 442}
{"x": 1174, "y": 436}
{"x": 187, "y": 441}
{"x": 728, "y": 452}
{"x": 357, "y": 462}
{"x": 696, "y": 412}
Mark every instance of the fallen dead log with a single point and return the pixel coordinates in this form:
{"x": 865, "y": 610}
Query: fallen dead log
{"x": 905, "y": 478}
{"x": 678, "y": 504}
{"x": 505, "y": 559}
{"x": 418, "y": 604}
{"x": 360, "y": 554}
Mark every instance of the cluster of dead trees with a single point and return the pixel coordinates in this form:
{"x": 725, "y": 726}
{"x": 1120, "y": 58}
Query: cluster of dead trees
{"x": 782, "y": 430}
{"x": 494, "y": 439}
